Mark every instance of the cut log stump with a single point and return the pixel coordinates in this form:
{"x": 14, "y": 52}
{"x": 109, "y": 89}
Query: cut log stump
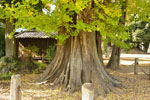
{"x": 15, "y": 87}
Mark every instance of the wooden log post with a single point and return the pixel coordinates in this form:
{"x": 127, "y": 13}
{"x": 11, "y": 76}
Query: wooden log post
{"x": 87, "y": 91}
{"x": 15, "y": 87}
{"x": 136, "y": 66}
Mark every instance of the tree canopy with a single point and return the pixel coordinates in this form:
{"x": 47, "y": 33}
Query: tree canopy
{"x": 28, "y": 14}
{"x": 140, "y": 8}
{"x": 105, "y": 19}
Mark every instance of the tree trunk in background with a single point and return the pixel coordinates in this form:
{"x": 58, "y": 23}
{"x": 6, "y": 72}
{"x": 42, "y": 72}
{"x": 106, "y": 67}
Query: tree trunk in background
{"x": 10, "y": 49}
{"x": 114, "y": 60}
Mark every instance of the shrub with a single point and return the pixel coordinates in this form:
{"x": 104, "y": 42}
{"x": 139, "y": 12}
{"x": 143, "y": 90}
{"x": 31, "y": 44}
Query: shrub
{"x": 39, "y": 67}
{"x": 12, "y": 65}
{"x": 5, "y": 76}
{"x": 4, "y": 61}
{"x": 8, "y": 64}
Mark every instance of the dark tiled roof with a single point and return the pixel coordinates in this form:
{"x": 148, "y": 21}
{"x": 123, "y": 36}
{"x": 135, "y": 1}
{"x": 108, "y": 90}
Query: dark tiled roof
{"x": 31, "y": 34}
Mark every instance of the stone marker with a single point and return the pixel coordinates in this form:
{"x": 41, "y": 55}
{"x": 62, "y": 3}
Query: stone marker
{"x": 15, "y": 87}
{"x": 87, "y": 91}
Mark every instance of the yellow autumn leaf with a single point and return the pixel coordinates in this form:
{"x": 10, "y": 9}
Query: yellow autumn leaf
{"x": 31, "y": 13}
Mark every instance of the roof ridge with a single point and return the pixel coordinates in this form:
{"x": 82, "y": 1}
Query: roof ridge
{"x": 32, "y": 34}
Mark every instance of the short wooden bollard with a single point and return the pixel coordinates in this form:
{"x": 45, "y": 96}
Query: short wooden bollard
{"x": 136, "y": 66}
{"x": 15, "y": 87}
{"x": 87, "y": 91}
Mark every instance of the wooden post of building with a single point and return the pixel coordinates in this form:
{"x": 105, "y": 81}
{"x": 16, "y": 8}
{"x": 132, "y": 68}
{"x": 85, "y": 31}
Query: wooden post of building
{"x": 136, "y": 66}
{"x": 42, "y": 57}
{"x": 15, "y": 87}
{"x": 87, "y": 91}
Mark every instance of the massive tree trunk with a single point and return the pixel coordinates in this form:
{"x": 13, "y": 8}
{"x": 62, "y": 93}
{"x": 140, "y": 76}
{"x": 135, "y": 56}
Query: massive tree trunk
{"x": 114, "y": 60}
{"x": 77, "y": 62}
{"x": 9, "y": 42}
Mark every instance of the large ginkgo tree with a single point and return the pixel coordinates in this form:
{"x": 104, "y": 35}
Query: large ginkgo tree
{"x": 75, "y": 24}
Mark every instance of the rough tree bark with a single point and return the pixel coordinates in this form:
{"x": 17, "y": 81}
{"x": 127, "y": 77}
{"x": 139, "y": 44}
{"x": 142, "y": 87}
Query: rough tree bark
{"x": 114, "y": 60}
{"x": 99, "y": 46}
{"x": 77, "y": 62}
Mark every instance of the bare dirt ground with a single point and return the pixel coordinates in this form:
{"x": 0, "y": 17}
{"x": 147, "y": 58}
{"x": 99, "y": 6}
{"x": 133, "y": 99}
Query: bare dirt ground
{"x": 137, "y": 86}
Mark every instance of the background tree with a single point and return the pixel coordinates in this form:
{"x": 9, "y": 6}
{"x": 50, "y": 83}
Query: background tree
{"x": 114, "y": 60}
{"x": 10, "y": 45}
{"x": 140, "y": 8}
{"x": 140, "y": 32}
{"x": 138, "y": 19}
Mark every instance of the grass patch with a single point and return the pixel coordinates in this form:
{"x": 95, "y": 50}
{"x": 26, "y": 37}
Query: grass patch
{"x": 5, "y": 76}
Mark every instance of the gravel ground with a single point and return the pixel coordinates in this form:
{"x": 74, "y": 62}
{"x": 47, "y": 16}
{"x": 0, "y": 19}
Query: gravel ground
{"x": 137, "y": 86}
